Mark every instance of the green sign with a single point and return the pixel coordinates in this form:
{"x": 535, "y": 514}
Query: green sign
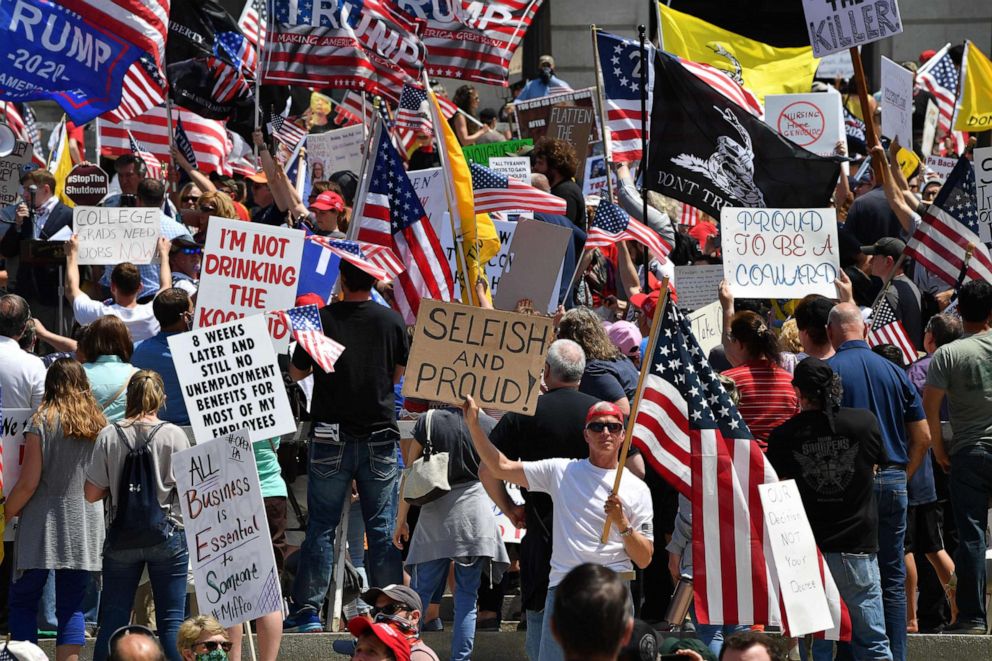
{"x": 482, "y": 153}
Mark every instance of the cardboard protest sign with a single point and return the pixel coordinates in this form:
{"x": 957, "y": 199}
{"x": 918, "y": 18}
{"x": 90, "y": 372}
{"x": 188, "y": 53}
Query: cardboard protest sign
{"x": 248, "y": 268}
{"x": 897, "y": 103}
{"x": 707, "y": 326}
{"x": 836, "y": 26}
{"x": 494, "y": 356}
{"x": 538, "y": 252}
{"x": 10, "y": 173}
{"x": 111, "y": 235}
{"x": 574, "y": 126}
{"x": 813, "y": 121}
{"x": 330, "y": 152}
{"x": 779, "y": 253}
{"x": 983, "y": 191}
{"x": 929, "y": 128}
{"x": 534, "y": 115}
{"x": 231, "y": 380}
{"x": 86, "y": 184}
{"x": 14, "y": 422}
{"x": 697, "y": 284}
{"x": 942, "y": 166}
{"x": 482, "y": 153}
{"x": 234, "y": 568}
{"x": 794, "y": 558}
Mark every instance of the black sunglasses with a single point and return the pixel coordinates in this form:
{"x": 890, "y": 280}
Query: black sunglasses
{"x": 212, "y": 645}
{"x": 598, "y": 427}
{"x": 388, "y": 609}
{"x": 191, "y": 198}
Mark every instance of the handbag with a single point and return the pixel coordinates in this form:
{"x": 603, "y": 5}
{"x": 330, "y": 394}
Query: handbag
{"x": 427, "y": 478}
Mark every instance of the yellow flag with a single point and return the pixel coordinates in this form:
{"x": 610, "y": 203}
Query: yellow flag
{"x": 974, "y": 113}
{"x": 762, "y": 68}
{"x": 908, "y": 162}
{"x": 479, "y": 235}
{"x": 61, "y": 165}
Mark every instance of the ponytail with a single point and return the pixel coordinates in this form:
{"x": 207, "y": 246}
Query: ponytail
{"x": 145, "y": 394}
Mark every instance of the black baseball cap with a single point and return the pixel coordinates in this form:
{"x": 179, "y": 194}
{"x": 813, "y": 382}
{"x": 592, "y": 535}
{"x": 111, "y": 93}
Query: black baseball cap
{"x": 398, "y": 593}
{"x": 887, "y": 246}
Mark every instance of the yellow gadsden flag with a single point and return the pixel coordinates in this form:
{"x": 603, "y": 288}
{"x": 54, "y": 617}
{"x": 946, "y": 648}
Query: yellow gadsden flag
{"x": 61, "y": 165}
{"x": 974, "y": 111}
{"x": 761, "y": 68}
{"x": 479, "y": 236}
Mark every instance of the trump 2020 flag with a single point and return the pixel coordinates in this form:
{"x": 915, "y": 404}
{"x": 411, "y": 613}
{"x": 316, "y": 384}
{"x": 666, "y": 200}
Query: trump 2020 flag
{"x": 711, "y": 153}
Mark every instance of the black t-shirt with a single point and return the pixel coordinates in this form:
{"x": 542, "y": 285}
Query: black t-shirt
{"x": 835, "y": 474}
{"x": 870, "y": 218}
{"x": 450, "y": 434}
{"x": 575, "y": 202}
{"x": 904, "y": 296}
{"x": 269, "y": 215}
{"x": 358, "y": 394}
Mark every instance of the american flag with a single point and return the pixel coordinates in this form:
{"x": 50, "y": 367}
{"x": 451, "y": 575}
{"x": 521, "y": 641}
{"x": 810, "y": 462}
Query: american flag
{"x": 144, "y": 89}
{"x": 688, "y": 428}
{"x": 378, "y": 261}
{"x": 352, "y": 104}
{"x": 252, "y": 22}
{"x": 184, "y": 145}
{"x": 612, "y": 224}
{"x": 208, "y": 137}
{"x": 287, "y": 132}
{"x": 412, "y": 112}
{"x": 393, "y": 216}
{"x": 495, "y": 191}
{"x": 690, "y": 216}
{"x": 887, "y": 329}
{"x": 24, "y": 127}
{"x": 619, "y": 61}
{"x": 939, "y": 76}
{"x": 726, "y": 86}
{"x": 950, "y": 226}
{"x": 304, "y": 324}
{"x": 153, "y": 167}
{"x": 229, "y": 83}
{"x": 238, "y": 49}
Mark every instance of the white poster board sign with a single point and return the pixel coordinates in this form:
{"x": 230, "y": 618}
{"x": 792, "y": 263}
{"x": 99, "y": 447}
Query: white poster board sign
{"x": 112, "y": 235}
{"x": 779, "y": 253}
{"x": 230, "y": 380}
{"x": 983, "y": 191}
{"x": 707, "y": 326}
{"x": 330, "y": 152}
{"x": 11, "y": 191}
{"x": 507, "y": 531}
{"x": 230, "y": 550}
{"x": 249, "y": 268}
{"x": 12, "y": 430}
{"x": 942, "y": 167}
{"x": 697, "y": 284}
{"x": 813, "y": 121}
{"x": 494, "y": 267}
{"x": 929, "y": 128}
{"x": 794, "y": 558}
{"x": 897, "y": 103}
{"x": 517, "y": 167}
{"x": 838, "y": 25}
{"x": 837, "y": 65}
{"x": 429, "y": 185}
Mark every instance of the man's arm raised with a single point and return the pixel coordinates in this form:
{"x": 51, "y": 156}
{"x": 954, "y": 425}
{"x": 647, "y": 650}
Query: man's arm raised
{"x": 495, "y": 461}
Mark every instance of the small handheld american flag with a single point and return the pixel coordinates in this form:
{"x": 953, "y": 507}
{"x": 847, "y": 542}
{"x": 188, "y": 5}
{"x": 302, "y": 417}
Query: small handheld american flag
{"x": 286, "y": 132}
{"x": 612, "y": 224}
{"x": 304, "y": 324}
{"x": 887, "y": 329}
{"x": 153, "y": 167}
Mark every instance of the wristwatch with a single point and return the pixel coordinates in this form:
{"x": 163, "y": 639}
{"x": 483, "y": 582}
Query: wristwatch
{"x": 627, "y": 532}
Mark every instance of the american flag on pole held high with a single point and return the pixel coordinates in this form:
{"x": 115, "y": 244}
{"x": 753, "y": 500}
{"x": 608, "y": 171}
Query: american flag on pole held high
{"x": 392, "y": 215}
{"x": 304, "y": 324}
{"x": 725, "y": 85}
{"x": 495, "y": 191}
{"x": 619, "y": 63}
{"x": 950, "y": 228}
{"x": 252, "y": 22}
{"x": 887, "y": 329}
{"x": 612, "y": 224}
{"x": 412, "y": 112}
{"x": 153, "y": 167}
{"x": 939, "y": 75}
{"x": 287, "y": 132}
{"x": 691, "y": 433}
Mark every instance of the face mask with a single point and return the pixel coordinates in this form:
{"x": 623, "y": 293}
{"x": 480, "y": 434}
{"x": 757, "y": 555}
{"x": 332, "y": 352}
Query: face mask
{"x": 214, "y": 655}
{"x": 545, "y": 74}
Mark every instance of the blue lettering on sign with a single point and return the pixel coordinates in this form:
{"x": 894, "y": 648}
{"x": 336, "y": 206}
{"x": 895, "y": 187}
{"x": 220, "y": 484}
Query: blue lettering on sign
{"x": 50, "y": 52}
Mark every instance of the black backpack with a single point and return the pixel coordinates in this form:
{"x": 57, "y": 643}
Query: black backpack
{"x": 139, "y": 521}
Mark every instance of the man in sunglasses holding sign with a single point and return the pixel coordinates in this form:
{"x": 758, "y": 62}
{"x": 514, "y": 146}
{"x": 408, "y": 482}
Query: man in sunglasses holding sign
{"x": 581, "y": 490}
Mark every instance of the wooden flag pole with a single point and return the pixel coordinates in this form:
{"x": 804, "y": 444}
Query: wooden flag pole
{"x": 659, "y": 311}
{"x": 871, "y": 136}
{"x": 602, "y": 112}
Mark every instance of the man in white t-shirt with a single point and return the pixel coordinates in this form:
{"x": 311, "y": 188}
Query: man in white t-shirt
{"x": 125, "y": 285}
{"x": 582, "y": 492}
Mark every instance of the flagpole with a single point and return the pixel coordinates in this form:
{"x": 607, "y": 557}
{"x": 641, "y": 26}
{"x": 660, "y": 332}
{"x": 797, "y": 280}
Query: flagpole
{"x": 365, "y": 113}
{"x": 870, "y": 135}
{"x": 258, "y": 116}
{"x": 602, "y": 111}
{"x": 641, "y": 30}
{"x": 659, "y": 312}
{"x": 172, "y": 140}
{"x": 363, "y": 187}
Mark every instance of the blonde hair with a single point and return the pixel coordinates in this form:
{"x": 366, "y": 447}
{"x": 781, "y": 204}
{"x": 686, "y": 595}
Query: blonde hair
{"x": 69, "y": 398}
{"x": 145, "y": 394}
{"x": 222, "y": 201}
{"x": 193, "y": 628}
{"x": 789, "y": 337}
{"x": 584, "y": 327}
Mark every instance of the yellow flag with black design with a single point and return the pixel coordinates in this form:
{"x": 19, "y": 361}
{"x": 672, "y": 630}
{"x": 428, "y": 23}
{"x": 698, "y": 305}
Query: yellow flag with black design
{"x": 975, "y": 103}
{"x": 61, "y": 166}
{"x": 761, "y": 68}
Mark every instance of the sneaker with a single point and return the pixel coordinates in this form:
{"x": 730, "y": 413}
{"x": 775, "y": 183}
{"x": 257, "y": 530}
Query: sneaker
{"x": 965, "y": 629}
{"x": 302, "y": 621}
{"x": 433, "y": 625}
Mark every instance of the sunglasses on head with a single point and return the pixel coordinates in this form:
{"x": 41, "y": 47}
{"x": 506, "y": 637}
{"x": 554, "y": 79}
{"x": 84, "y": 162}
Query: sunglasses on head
{"x": 212, "y": 645}
{"x": 598, "y": 427}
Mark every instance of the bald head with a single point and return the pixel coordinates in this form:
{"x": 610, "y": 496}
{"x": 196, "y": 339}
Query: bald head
{"x": 845, "y": 323}
{"x": 540, "y": 182}
{"x": 136, "y": 647}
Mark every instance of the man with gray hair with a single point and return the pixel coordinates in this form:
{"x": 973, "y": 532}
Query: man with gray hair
{"x": 554, "y": 431}
{"x": 22, "y": 375}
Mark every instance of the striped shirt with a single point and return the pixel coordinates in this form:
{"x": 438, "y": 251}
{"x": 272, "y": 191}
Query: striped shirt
{"x": 767, "y": 396}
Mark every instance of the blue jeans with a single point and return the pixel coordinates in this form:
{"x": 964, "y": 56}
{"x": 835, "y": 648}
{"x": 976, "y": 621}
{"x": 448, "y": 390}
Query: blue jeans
{"x": 167, "y": 571}
{"x": 535, "y": 626}
{"x": 425, "y": 578}
{"x": 371, "y": 461}
{"x": 892, "y": 500}
{"x": 971, "y": 486}
{"x": 713, "y": 635}
{"x": 859, "y": 583}
{"x": 26, "y": 595}
{"x": 356, "y": 542}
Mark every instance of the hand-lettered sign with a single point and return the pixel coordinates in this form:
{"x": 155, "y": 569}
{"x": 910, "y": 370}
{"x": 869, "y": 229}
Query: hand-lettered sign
{"x": 113, "y": 235}
{"x": 837, "y": 25}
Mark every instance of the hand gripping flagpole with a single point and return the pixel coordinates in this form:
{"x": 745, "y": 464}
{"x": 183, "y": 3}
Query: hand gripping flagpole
{"x": 871, "y": 137}
{"x": 604, "y": 131}
{"x": 644, "y": 146}
{"x": 659, "y": 312}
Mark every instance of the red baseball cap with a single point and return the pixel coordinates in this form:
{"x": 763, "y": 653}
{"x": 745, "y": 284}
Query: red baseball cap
{"x": 390, "y": 637}
{"x": 646, "y": 303}
{"x": 328, "y": 201}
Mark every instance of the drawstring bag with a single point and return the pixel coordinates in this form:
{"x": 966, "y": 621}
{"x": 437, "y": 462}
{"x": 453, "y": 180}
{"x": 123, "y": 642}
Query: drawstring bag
{"x": 427, "y": 479}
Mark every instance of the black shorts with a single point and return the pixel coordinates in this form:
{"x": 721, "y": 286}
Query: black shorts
{"x": 924, "y": 526}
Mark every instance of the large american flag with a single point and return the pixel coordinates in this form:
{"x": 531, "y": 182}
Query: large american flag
{"x": 619, "y": 61}
{"x": 237, "y": 48}
{"x": 612, "y": 224}
{"x": 208, "y": 137}
{"x": 692, "y": 434}
{"x": 725, "y": 85}
{"x": 949, "y": 228}
{"x": 304, "y": 324}
{"x": 153, "y": 167}
{"x": 393, "y": 216}
{"x": 887, "y": 329}
{"x": 495, "y": 191}
{"x": 939, "y": 75}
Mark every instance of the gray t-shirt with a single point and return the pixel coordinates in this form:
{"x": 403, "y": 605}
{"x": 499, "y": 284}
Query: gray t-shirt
{"x": 107, "y": 464}
{"x": 963, "y": 369}
{"x": 57, "y": 528}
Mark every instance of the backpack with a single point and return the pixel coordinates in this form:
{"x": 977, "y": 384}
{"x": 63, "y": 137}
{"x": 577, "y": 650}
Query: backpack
{"x": 139, "y": 521}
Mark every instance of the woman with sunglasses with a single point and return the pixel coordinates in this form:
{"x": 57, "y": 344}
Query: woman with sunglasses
{"x": 202, "y": 638}
{"x": 210, "y": 204}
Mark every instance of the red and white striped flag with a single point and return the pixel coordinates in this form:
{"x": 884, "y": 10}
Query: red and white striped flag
{"x": 887, "y": 329}
{"x": 612, "y": 224}
{"x": 287, "y": 132}
{"x": 495, "y": 191}
{"x": 378, "y": 261}
{"x": 208, "y": 137}
{"x": 304, "y": 323}
{"x": 153, "y": 167}
{"x": 940, "y": 76}
{"x": 252, "y": 23}
{"x": 726, "y": 86}
{"x": 690, "y": 431}
{"x": 690, "y": 216}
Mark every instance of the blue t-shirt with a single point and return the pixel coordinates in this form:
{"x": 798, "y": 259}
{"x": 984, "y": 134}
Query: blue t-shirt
{"x": 610, "y": 380}
{"x": 875, "y": 383}
{"x": 154, "y": 354}
{"x": 536, "y": 88}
